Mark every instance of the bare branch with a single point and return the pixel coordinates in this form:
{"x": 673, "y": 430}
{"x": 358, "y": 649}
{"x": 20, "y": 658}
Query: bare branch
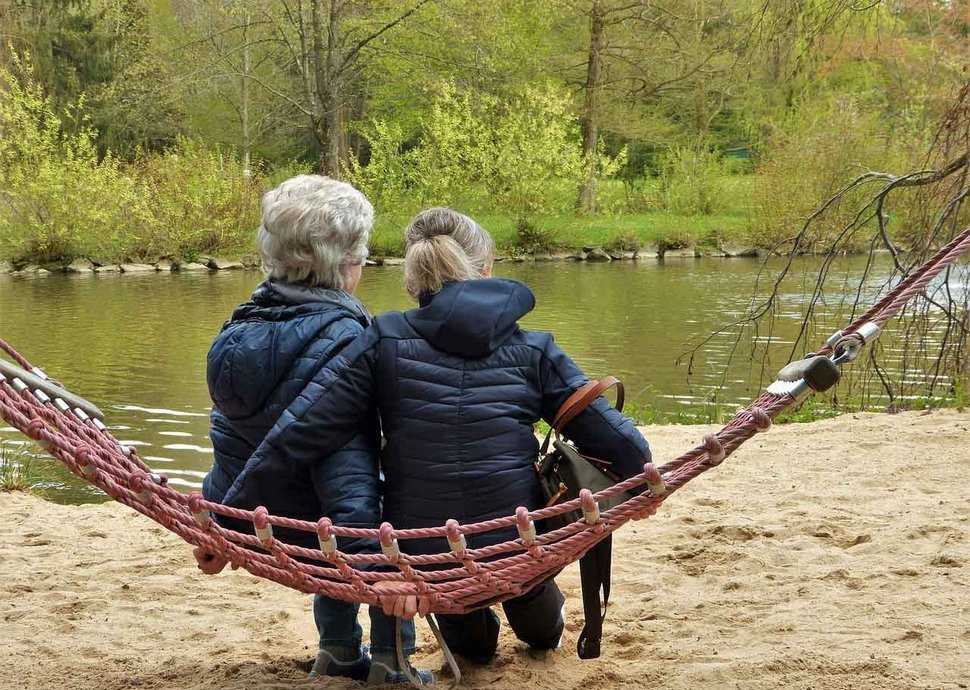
{"x": 351, "y": 54}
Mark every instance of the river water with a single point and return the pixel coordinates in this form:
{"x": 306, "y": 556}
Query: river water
{"x": 135, "y": 345}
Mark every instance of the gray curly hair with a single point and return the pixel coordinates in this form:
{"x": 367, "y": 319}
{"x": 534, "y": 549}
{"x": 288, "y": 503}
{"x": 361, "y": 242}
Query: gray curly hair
{"x": 313, "y": 230}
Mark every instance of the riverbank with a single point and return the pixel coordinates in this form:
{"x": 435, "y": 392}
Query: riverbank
{"x": 825, "y": 555}
{"x": 644, "y": 236}
{"x": 592, "y": 254}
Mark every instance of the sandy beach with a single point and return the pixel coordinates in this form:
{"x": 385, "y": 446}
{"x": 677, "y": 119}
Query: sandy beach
{"x": 826, "y": 555}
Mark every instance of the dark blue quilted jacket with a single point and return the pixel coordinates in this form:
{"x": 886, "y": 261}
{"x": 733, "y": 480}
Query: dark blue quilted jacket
{"x": 459, "y": 387}
{"x": 257, "y": 365}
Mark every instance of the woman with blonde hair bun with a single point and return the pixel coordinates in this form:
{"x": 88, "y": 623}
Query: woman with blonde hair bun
{"x": 459, "y": 386}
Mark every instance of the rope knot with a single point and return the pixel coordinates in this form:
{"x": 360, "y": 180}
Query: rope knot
{"x": 264, "y": 530}
{"x": 715, "y": 451}
{"x": 139, "y": 483}
{"x": 527, "y": 528}
{"x": 200, "y": 514}
{"x": 654, "y": 481}
{"x": 459, "y": 546}
{"x": 456, "y": 540}
{"x": 389, "y": 543}
{"x": 85, "y": 459}
{"x": 591, "y": 508}
{"x": 761, "y": 419}
{"x": 328, "y": 542}
{"x": 35, "y": 430}
{"x": 82, "y": 455}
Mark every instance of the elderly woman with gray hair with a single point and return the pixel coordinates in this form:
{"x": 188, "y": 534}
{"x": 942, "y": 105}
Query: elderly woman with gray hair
{"x": 313, "y": 242}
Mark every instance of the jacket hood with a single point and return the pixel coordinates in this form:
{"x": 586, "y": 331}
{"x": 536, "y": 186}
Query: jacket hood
{"x": 273, "y": 293}
{"x": 472, "y": 318}
{"x": 257, "y": 349}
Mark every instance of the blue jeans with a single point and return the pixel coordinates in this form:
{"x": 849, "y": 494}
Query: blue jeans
{"x": 339, "y": 630}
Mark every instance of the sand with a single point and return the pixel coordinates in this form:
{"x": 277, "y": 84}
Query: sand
{"x": 827, "y": 555}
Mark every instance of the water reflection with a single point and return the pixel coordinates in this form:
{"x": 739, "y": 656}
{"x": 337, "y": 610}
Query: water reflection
{"x": 136, "y": 345}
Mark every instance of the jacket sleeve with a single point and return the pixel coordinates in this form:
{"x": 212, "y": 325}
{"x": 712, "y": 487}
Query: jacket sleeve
{"x": 346, "y": 486}
{"x": 599, "y": 431}
{"x": 346, "y": 483}
{"x": 328, "y": 413}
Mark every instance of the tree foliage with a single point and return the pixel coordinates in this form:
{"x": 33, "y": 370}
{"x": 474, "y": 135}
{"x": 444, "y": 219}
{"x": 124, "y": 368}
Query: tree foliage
{"x": 60, "y": 198}
{"x": 524, "y": 109}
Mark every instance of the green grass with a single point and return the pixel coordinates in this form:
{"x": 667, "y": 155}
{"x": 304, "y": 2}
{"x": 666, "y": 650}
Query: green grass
{"x": 573, "y": 232}
{"x": 812, "y": 410}
{"x": 22, "y": 471}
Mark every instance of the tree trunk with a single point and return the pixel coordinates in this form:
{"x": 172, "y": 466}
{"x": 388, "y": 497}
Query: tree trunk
{"x": 331, "y": 96}
{"x": 321, "y": 82}
{"x": 244, "y": 106}
{"x": 306, "y": 69}
{"x": 594, "y": 69}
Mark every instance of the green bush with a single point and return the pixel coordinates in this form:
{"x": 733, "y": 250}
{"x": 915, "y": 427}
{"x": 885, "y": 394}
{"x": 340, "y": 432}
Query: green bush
{"x": 201, "y": 201}
{"x": 679, "y": 238}
{"x": 531, "y": 239}
{"x": 691, "y": 181}
{"x": 623, "y": 242}
{"x": 519, "y": 155}
{"x": 60, "y": 200}
{"x": 820, "y": 148}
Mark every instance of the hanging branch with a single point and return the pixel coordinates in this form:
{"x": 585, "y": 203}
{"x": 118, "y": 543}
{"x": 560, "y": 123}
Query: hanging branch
{"x": 931, "y": 341}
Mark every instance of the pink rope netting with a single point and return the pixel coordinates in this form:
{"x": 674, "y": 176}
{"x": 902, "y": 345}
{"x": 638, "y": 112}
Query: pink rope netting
{"x": 457, "y": 579}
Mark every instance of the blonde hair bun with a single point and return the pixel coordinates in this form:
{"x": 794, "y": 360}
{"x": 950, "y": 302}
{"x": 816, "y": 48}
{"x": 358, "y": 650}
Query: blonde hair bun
{"x": 443, "y": 246}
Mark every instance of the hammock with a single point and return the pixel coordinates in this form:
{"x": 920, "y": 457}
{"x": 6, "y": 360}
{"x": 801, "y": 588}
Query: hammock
{"x": 458, "y": 579}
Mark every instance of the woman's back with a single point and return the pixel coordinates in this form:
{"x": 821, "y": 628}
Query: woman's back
{"x": 458, "y": 390}
{"x": 257, "y": 365}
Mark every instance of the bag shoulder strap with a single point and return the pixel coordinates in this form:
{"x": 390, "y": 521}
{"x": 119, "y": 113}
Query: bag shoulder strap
{"x": 594, "y": 573}
{"x": 582, "y": 398}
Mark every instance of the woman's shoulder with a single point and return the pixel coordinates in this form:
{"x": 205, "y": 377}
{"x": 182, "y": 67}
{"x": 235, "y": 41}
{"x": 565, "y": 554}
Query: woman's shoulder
{"x": 539, "y": 340}
{"x": 392, "y": 324}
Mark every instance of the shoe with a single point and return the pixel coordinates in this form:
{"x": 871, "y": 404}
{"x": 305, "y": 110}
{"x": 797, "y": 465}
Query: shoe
{"x": 562, "y": 617}
{"x": 382, "y": 673}
{"x": 326, "y": 664}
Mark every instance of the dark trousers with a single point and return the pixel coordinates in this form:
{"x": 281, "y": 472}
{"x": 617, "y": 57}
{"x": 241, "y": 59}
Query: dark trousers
{"x": 535, "y": 618}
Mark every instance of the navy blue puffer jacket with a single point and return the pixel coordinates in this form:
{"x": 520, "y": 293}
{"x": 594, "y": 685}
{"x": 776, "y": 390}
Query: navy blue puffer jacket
{"x": 257, "y": 365}
{"x": 459, "y": 386}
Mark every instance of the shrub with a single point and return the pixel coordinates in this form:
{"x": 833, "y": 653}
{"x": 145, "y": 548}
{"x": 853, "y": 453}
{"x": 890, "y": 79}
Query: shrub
{"x": 820, "y": 148}
{"x": 478, "y": 152}
{"x": 676, "y": 239}
{"x": 386, "y": 178}
{"x": 201, "y": 200}
{"x": 691, "y": 181}
{"x": 537, "y": 163}
{"x": 59, "y": 200}
{"x": 530, "y": 239}
{"x": 624, "y": 242}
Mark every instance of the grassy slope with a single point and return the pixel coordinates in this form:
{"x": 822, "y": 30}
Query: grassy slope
{"x": 626, "y": 212}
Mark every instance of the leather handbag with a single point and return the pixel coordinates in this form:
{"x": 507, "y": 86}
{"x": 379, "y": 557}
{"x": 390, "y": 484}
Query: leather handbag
{"x": 563, "y": 470}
